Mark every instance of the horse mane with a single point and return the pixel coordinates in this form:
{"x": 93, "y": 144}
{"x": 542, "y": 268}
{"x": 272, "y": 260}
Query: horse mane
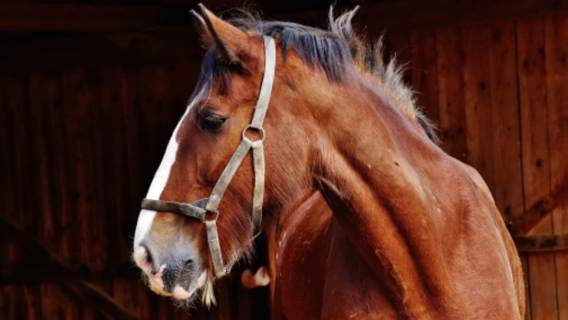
{"x": 333, "y": 50}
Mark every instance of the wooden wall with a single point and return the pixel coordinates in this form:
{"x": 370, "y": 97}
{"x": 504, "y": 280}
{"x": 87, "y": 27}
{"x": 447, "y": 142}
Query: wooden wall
{"x": 499, "y": 94}
{"x": 79, "y": 148}
{"x": 85, "y": 119}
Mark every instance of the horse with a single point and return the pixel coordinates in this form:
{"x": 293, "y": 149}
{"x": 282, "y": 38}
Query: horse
{"x": 365, "y": 215}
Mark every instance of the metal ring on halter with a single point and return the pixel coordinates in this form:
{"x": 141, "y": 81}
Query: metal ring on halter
{"x": 250, "y": 127}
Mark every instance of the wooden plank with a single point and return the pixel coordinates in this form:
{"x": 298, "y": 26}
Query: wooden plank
{"x": 544, "y": 243}
{"x": 97, "y": 214}
{"x": 542, "y": 208}
{"x": 121, "y": 293}
{"x": 20, "y": 156}
{"x": 7, "y": 192}
{"x": 14, "y": 97}
{"x": 146, "y": 301}
{"x": 55, "y": 304}
{"x": 556, "y": 56}
{"x": 506, "y": 137}
{"x": 77, "y": 120}
{"x": 451, "y": 92}
{"x": 62, "y": 51}
{"x": 8, "y": 302}
{"x": 132, "y": 133}
{"x": 58, "y": 167}
{"x": 536, "y": 174}
{"x": 424, "y": 73}
{"x": 87, "y": 17}
{"x": 528, "y": 296}
{"x": 114, "y": 164}
{"x": 395, "y": 14}
{"x": 491, "y": 111}
{"x": 154, "y": 106}
{"x": 8, "y": 143}
{"x": 99, "y": 299}
{"x": 27, "y": 188}
{"x": 10, "y": 93}
{"x": 32, "y": 301}
{"x": 429, "y": 15}
{"x": 478, "y": 120}
{"x": 150, "y": 45}
{"x": 41, "y": 93}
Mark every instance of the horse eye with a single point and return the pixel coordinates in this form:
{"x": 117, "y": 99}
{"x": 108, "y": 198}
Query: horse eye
{"x": 211, "y": 121}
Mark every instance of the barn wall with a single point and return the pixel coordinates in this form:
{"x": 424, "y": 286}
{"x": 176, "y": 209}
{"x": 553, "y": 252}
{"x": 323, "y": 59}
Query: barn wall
{"x": 83, "y": 127}
{"x": 499, "y": 94}
{"x": 80, "y": 146}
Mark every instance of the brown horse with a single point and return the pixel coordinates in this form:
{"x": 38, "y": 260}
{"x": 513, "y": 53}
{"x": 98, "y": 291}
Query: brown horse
{"x": 366, "y": 216}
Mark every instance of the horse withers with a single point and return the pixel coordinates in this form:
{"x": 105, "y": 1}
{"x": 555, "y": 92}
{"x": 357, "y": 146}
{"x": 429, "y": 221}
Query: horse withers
{"x": 365, "y": 215}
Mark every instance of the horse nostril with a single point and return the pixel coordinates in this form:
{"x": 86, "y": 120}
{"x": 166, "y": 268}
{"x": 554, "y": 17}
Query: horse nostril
{"x": 169, "y": 276}
{"x": 188, "y": 264}
{"x": 149, "y": 259}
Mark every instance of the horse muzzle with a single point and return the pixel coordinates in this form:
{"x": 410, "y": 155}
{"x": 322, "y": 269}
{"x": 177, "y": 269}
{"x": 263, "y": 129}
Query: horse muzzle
{"x": 177, "y": 276}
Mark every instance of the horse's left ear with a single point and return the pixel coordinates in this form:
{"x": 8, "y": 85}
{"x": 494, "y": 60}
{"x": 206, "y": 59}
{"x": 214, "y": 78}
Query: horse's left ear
{"x": 228, "y": 40}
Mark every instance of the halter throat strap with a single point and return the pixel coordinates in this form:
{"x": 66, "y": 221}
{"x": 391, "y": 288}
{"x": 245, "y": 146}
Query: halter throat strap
{"x": 207, "y": 210}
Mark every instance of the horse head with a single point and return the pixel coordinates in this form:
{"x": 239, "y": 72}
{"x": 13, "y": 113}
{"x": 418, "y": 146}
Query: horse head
{"x": 200, "y": 170}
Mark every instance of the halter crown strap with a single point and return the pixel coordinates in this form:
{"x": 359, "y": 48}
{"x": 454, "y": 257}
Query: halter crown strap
{"x": 199, "y": 209}
{"x": 266, "y": 87}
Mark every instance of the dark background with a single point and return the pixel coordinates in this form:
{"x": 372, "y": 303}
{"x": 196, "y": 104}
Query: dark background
{"x": 90, "y": 92}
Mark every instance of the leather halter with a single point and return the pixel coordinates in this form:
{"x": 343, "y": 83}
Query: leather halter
{"x": 206, "y": 210}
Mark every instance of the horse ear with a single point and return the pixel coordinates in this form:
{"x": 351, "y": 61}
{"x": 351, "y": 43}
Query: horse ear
{"x": 214, "y": 31}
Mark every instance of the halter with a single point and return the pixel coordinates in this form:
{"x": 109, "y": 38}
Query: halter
{"x": 206, "y": 210}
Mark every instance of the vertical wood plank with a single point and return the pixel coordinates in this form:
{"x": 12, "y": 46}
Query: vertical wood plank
{"x": 41, "y": 91}
{"x": 451, "y": 91}
{"x": 13, "y": 95}
{"x": 74, "y": 117}
{"x": 115, "y": 166}
{"x": 536, "y": 171}
{"x": 31, "y": 296}
{"x": 123, "y": 293}
{"x": 58, "y": 171}
{"x": 26, "y": 189}
{"x": 132, "y": 133}
{"x": 54, "y": 304}
{"x": 129, "y": 132}
{"x": 7, "y": 303}
{"x": 98, "y": 212}
{"x": 506, "y": 137}
{"x": 477, "y": 102}
{"x": 424, "y": 73}
{"x": 16, "y": 100}
{"x": 491, "y": 106}
{"x": 556, "y": 56}
{"x": 10, "y": 94}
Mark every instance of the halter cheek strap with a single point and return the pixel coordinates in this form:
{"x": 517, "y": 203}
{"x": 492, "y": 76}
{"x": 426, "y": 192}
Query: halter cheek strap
{"x": 206, "y": 210}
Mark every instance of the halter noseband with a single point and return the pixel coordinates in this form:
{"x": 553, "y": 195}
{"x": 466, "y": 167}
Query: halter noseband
{"x": 206, "y": 210}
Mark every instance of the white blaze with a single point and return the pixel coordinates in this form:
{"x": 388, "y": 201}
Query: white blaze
{"x": 159, "y": 182}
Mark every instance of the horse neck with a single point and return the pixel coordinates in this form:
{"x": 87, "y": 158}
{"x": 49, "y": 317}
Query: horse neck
{"x": 378, "y": 173}
{"x": 298, "y": 242}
